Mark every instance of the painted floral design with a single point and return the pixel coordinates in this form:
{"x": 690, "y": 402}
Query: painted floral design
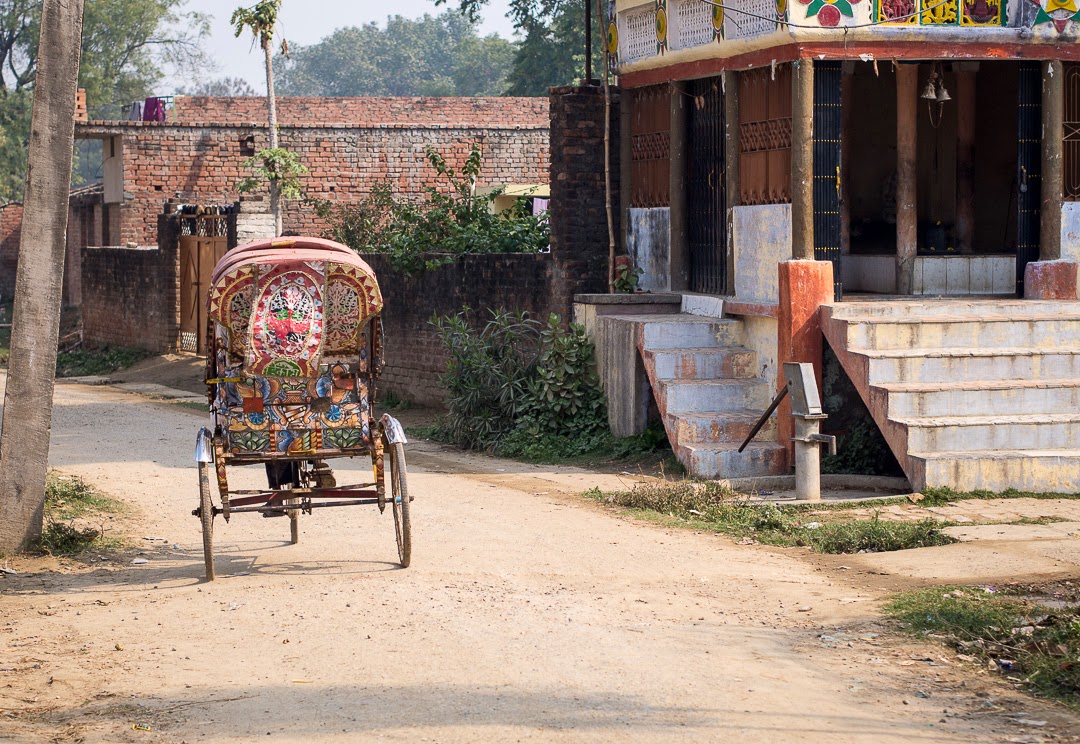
{"x": 829, "y": 12}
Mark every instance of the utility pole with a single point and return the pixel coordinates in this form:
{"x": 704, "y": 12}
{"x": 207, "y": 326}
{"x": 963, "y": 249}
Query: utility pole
{"x": 35, "y": 330}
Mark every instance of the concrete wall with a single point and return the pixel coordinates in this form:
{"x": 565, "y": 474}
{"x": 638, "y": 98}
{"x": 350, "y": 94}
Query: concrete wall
{"x": 761, "y": 239}
{"x": 648, "y": 243}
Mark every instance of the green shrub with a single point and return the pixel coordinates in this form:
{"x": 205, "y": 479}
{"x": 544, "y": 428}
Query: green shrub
{"x": 448, "y": 222}
{"x": 523, "y": 389}
{"x": 487, "y": 375}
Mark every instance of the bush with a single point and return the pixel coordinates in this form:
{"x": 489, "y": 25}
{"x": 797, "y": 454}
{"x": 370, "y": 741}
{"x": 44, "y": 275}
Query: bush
{"x": 487, "y": 376}
{"x": 450, "y": 222}
{"x": 521, "y": 388}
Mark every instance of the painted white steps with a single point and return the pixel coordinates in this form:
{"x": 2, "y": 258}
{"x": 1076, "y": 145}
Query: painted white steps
{"x": 969, "y": 394}
{"x": 706, "y": 386}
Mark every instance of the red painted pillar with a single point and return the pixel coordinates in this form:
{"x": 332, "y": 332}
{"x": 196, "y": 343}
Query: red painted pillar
{"x": 804, "y": 287}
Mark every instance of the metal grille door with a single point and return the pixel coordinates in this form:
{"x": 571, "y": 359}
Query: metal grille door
{"x": 1028, "y": 169}
{"x": 707, "y": 220}
{"x": 827, "y": 133}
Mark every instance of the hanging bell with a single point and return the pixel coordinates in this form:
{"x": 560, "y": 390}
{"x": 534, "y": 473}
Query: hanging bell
{"x": 942, "y": 94}
{"x": 928, "y": 92}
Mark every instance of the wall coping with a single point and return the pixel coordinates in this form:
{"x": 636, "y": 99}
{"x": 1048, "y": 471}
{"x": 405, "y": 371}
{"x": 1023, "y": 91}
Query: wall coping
{"x": 637, "y": 298}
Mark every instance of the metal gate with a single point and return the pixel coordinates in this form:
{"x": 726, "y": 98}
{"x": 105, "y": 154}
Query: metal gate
{"x": 203, "y": 241}
{"x": 827, "y": 167}
{"x": 1028, "y": 169}
{"x": 706, "y": 213}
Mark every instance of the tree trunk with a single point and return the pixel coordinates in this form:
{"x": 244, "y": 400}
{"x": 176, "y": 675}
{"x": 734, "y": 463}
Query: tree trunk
{"x": 24, "y": 442}
{"x": 271, "y": 108}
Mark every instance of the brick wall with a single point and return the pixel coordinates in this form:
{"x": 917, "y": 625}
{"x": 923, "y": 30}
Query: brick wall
{"x": 413, "y": 355}
{"x": 10, "y": 232}
{"x": 130, "y": 296}
{"x": 579, "y": 233}
{"x": 348, "y": 144}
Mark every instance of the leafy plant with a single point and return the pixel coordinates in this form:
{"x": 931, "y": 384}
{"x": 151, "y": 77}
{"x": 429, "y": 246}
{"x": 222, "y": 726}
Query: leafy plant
{"x": 277, "y": 166}
{"x": 520, "y": 387}
{"x": 450, "y": 221}
{"x": 487, "y": 375}
{"x": 627, "y": 277}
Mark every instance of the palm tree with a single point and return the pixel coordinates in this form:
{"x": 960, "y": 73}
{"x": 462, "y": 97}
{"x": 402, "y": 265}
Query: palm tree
{"x": 24, "y": 444}
{"x": 261, "y": 20}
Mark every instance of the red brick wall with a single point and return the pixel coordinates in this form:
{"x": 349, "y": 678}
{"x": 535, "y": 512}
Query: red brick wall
{"x": 349, "y": 144}
{"x": 10, "y": 232}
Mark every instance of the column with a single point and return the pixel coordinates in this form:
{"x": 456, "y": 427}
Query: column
{"x": 802, "y": 159}
{"x": 1053, "y": 111}
{"x": 679, "y": 247}
{"x": 907, "y": 218}
{"x": 732, "y": 184}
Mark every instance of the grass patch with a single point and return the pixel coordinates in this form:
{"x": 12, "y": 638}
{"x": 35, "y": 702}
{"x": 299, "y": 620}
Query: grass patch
{"x": 710, "y": 506}
{"x": 80, "y": 362}
{"x": 944, "y": 496}
{"x": 568, "y": 449}
{"x": 193, "y": 406}
{"x": 1037, "y": 645}
{"x": 71, "y": 505}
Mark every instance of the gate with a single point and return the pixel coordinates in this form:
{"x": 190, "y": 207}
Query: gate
{"x": 706, "y": 213}
{"x": 203, "y": 241}
{"x": 1028, "y": 169}
{"x": 827, "y": 168}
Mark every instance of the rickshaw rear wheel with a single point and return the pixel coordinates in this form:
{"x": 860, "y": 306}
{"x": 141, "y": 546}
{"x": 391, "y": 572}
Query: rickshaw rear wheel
{"x": 206, "y": 517}
{"x": 399, "y": 492}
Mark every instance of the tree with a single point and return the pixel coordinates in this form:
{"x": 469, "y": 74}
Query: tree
{"x": 125, "y": 43}
{"x": 552, "y": 50}
{"x": 24, "y": 442}
{"x": 225, "y": 86}
{"x": 261, "y": 20}
{"x": 428, "y": 56}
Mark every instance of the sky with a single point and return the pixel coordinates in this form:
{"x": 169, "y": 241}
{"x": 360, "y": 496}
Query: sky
{"x": 308, "y": 21}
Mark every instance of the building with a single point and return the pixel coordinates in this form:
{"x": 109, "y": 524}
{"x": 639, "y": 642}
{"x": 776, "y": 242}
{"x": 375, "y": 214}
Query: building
{"x": 842, "y": 169}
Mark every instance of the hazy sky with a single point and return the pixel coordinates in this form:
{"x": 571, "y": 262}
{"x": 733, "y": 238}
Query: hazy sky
{"x": 307, "y": 21}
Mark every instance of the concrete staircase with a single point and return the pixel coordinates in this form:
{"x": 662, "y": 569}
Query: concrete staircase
{"x": 969, "y": 394}
{"x": 706, "y": 386}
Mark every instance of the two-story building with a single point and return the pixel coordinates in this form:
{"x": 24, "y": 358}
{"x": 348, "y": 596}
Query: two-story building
{"x": 901, "y": 176}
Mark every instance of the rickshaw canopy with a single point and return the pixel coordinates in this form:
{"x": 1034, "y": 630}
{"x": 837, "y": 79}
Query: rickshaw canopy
{"x": 284, "y": 304}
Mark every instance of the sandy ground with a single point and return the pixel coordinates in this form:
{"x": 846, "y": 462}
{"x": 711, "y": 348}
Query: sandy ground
{"x": 528, "y": 614}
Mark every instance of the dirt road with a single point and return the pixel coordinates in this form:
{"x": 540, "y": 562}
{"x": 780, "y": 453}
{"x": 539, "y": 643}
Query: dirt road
{"x": 527, "y": 615}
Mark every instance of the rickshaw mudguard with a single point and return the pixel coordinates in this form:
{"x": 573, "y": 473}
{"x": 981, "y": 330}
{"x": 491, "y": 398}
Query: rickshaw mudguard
{"x": 393, "y": 430}
{"x": 204, "y": 446}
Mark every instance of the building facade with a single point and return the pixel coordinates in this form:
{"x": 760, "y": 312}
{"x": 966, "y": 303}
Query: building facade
{"x": 789, "y": 157}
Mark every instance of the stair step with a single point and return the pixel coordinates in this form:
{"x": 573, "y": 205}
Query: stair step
{"x": 1039, "y": 470}
{"x": 699, "y": 396}
{"x": 959, "y": 308}
{"x": 715, "y": 427}
{"x": 720, "y": 461}
{"x": 704, "y": 364}
{"x": 925, "y": 365}
{"x": 989, "y": 433}
{"x": 689, "y": 331}
{"x": 1038, "y": 332}
{"x": 982, "y": 397}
